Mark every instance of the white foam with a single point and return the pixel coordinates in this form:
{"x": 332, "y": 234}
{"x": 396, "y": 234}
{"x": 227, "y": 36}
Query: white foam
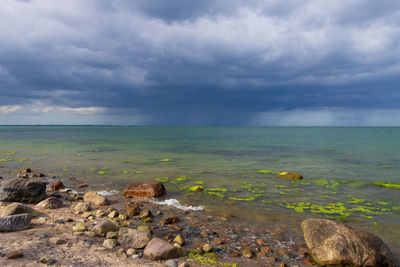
{"x": 108, "y": 193}
{"x": 175, "y": 203}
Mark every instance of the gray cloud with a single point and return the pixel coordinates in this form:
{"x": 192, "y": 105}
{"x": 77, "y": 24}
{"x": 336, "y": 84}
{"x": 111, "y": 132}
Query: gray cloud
{"x": 204, "y": 62}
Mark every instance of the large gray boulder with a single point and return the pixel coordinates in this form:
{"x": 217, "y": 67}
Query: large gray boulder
{"x": 15, "y": 223}
{"x": 23, "y": 190}
{"x": 333, "y": 243}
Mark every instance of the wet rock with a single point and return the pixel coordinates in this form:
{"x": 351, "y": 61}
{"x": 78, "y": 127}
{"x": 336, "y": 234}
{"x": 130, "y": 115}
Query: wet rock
{"x": 104, "y": 227}
{"x": 247, "y": 253}
{"x": 144, "y": 228}
{"x": 38, "y": 175}
{"x": 132, "y": 208}
{"x": 17, "y": 222}
{"x": 23, "y": 190}
{"x": 83, "y": 206}
{"x": 171, "y": 263}
{"x": 72, "y": 179}
{"x": 145, "y": 213}
{"x": 14, "y": 255}
{"x": 290, "y": 175}
{"x": 169, "y": 219}
{"x": 153, "y": 189}
{"x": 58, "y": 185}
{"x": 217, "y": 241}
{"x": 333, "y": 243}
{"x": 96, "y": 199}
{"x": 18, "y": 208}
{"x": 50, "y": 203}
{"x": 179, "y": 240}
{"x": 113, "y": 214}
{"x": 79, "y": 227}
{"x": 265, "y": 250}
{"x": 131, "y": 238}
{"x": 82, "y": 186}
{"x": 158, "y": 249}
{"x": 283, "y": 265}
{"x": 25, "y": 171}
{"x": 110, "y": 243}
{"x": 260, "y": 242}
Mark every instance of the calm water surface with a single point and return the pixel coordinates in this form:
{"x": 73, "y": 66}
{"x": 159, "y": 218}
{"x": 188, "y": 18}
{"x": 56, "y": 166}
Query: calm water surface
{"x": 343, "y": 168}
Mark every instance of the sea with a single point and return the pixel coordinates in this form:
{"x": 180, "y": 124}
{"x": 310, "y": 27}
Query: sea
{"x": 350, "y": 174}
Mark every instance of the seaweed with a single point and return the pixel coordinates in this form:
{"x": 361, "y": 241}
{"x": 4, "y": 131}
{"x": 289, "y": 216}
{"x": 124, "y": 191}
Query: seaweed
{"x": 387, "y": 184}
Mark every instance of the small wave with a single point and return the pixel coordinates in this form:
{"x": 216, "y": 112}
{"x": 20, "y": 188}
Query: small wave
{"x": 175, "y": 203}
{"x": 108, "y": 193}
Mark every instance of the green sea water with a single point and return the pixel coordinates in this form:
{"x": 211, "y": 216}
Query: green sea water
{"x": 351, "y": 174}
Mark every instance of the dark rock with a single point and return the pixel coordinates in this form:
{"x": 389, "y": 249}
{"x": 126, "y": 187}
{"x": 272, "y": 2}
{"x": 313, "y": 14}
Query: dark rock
{"x": 153, "y": 189}
{"x": 17, "y": 222}
{"x": 14, "y": 255}
{"x": 131, "y": 238}
{"x": 290, "y": 175}
{"x": 50, "y": 203}
{"x": 145, "y": 214}
{"x": 58, "y": 185}
{"x": 158, "y": 249}
{"x": 38, "y": 175}
{"x": 132, "y": 208}
{"x": 333, "y": 243}
{"x": 169, "y": 219}
{"x": 18, "y": 208}
{"x": 23, "y": 190}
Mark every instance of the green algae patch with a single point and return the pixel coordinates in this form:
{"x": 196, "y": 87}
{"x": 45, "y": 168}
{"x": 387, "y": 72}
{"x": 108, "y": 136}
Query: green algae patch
{"x": 266, "y": 171}
{"x": 215, "y": 194}
{"x": 208, "y": 259}
{"x": 165, "y": 160}
{"x": 179, "y": 180}
{"x": 196, "y": 188}
{"x": 356, "y": 200}
{"x": 162, "y": 179}
{"x": 101, "y": 172}
{"x": 387, "y": 185}
{"x": 280, "y": 186}
{"x": 199, "y": 182}
{"x": 242, "y": 199}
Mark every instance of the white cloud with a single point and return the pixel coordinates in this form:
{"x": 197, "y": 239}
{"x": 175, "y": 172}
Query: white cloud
{"x": 9, "y": 109}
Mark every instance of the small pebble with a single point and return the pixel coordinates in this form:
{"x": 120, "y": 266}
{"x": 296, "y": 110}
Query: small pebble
{"x": 171, "y": 263}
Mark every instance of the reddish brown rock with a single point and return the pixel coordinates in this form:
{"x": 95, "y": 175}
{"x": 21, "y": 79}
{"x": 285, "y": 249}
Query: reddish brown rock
{"x": 56, "y": 186}
{"x": 132, "y": 208}
{"x": 153, "y": 189}
{"x": 265, "y": 250}
{"x": 260, "y": 242}
{"x": 158, "y": 249}
{"x": 81, "y": 185}
{"x": 38, "y": 175}
{"x": 290, "y": 175}
{"x": 25, "y": 171}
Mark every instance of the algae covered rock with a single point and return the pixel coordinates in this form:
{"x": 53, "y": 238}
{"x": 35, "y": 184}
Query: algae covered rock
{"x": 153, "y": 189}
{"x": 23, "y": 190}
{"x": 333, "y": 243}
{"x": 290, "y": 175}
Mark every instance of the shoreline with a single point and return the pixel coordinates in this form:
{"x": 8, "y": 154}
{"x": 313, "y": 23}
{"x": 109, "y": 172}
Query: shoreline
{"x": 232, "y": 241}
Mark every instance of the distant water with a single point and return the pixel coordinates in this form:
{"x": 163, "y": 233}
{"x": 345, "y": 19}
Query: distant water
{"x": 350, "y": 174}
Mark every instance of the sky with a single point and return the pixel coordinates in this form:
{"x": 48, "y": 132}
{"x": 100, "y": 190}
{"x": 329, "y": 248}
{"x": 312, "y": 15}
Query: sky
{"x": 205, "y": 62}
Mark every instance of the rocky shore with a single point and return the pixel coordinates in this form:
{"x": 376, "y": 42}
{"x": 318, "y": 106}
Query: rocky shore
{"x": 44, "y": 223}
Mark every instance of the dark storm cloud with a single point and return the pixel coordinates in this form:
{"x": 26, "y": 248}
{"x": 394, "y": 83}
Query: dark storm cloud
{"x": 198, "y": 62}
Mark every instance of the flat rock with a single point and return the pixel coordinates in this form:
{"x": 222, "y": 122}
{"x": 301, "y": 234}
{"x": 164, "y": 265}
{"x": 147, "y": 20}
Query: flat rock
{"x": 50, "y": 203}
{"x": 103, "y": 227}
{"x": 96, "y": 199}
{"x": 158, "y": 249}
{"x": 290, "y": 175}
{"x": 17, "y": 222}
{"x": 131, "y": 238}
{"x": 153, "y": 189}
{"x": 333, "y": 243}
{"x": 18, "y": 208}
{"x": 23, "y": 190}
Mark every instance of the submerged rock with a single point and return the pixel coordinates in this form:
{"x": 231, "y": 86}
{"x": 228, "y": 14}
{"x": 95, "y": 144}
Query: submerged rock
{"x": 25, "y": 171}
{"x": 50, "y": 203}
{"x": 290, "y": 175}
{"x": 96, "y": 199}
{"x": 58, "y": 185}
{"x": 18, "y": 208}
{"x": 17, "y": 222}
{"x": 23, "y": 190}
{"x": 131, "y": 238}
{"x": 153, "y": 189}
{"x": 333, "y": 243}
{"x": 159, "y": 249}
